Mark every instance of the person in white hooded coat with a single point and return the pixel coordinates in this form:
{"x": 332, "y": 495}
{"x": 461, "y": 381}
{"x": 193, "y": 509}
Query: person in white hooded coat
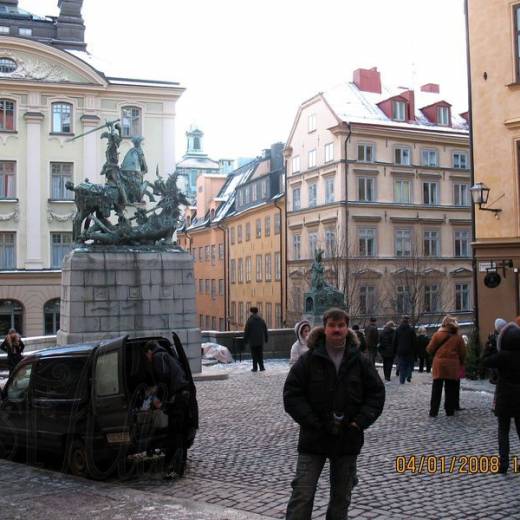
{"x": 302, "y": 330}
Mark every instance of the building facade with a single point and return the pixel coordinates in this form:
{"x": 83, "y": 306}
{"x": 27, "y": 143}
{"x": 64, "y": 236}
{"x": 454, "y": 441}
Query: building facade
{"x": 379, "y": 179}
{"x": 494, "y": 27}
{"x": 48, "y": 96}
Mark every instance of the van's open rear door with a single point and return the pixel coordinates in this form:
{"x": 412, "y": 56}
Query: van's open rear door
{"x": 109, "y": 399}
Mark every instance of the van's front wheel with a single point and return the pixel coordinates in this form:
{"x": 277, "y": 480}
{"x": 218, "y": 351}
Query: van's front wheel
{"x": 77, "y": 458}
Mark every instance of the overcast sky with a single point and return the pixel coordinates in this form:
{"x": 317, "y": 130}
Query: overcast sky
{"x": 248, "y": 64}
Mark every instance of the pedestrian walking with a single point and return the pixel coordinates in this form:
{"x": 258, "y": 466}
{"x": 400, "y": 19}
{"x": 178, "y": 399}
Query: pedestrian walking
{"x": 387, "y": 349}
{"x": 361, "y": 339}
{"x": 491, "y": 347}
{"x": 255, "y": 333}
{"x": 422, "y": 356}
{"x": 14, "y": 347}
{"x": 448, "y": 351}
{"x": 507, "y": 363}
{"x": 334, "y": 393}
{"x": 372, "y": 339}
{"x": 404, "y": 345}
{"x": 462, "y": 375}
{"x": 301, "y": 329}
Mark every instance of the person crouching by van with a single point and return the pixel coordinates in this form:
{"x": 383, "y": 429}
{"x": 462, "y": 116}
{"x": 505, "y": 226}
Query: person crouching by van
{"x": 14, "y": 346}
{"x": 173, "y": 398}
{"x": 302, "y": 329}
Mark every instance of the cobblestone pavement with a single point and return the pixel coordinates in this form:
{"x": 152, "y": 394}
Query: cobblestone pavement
{"x": 245, "y": 454}
{"x": 244, "y": 458}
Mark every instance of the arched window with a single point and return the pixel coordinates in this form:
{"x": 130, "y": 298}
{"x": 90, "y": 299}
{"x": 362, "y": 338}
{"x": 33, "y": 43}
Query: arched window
{"x": 61, "y": 118}
{"x": 7, "y": 115}
{"x": 196, "y": 143}
{"x": 11, "y": 316}
{"x": 131, "y": 121}
{"x": 51, "y": 316}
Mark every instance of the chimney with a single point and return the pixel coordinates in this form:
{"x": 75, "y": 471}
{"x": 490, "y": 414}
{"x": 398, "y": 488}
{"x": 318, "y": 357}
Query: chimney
{"x": 431, "y": 87}
{"x": 368, "y": 80}
{"x": 70, "y": 28}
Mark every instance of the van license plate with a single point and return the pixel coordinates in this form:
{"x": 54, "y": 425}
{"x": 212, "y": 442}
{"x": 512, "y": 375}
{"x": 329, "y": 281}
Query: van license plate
{"x": 118, "y": 438}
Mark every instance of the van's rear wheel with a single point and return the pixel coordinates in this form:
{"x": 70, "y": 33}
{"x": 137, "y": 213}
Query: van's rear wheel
{"x": 77, "y": 458}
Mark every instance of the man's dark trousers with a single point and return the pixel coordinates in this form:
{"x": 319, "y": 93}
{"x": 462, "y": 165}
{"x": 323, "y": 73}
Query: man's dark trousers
{"x": 450, "y": 396}
{"x": 308, "y": 470}
{"x": 257, "y": 353}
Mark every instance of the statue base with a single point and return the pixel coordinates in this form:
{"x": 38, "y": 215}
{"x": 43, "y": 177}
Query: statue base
{"x": 113, "y": 291}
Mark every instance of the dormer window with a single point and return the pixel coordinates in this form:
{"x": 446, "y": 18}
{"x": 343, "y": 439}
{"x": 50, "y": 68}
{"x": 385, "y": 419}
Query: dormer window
{"x": 443, "y": 116}
{"x": 398, "y": 110}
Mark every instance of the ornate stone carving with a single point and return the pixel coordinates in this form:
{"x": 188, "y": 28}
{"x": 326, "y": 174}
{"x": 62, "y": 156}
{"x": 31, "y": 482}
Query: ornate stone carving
{"x": 14, "y": 216}
{"x": 59, "y": 217}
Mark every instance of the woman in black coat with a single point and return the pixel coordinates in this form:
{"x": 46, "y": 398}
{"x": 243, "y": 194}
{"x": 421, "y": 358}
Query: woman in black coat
{"x": 507, "y": 363}
{"x": 386, "y": 348}
{"x": 14, "y": 346}
{"x": 423, "y": 356}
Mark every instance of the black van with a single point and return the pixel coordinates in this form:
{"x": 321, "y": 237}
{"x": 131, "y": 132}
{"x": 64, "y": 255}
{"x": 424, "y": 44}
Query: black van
{"x": 85, "y": 403}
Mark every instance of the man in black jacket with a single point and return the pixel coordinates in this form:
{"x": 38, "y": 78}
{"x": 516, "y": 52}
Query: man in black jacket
{"x": 333, "y": 393}
{"x": 255, "y": 334}
{"x": 404, "y": 345}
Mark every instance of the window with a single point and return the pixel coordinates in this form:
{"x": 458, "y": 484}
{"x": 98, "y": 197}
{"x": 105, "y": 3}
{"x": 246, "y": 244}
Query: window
{"x": 240, "y": 270}
{"x": 233, "y": 270}
{"x": 59, "y": 378}
{"x": 201, "y": 321}
{"x": 311, "y": 123}
{"x": 461, "y": 243}
{"x": 462, "y": 297}
{"x": 213, "y": 289}
{"x": 268, "y": 271}
{"x": 366, "y": 189}
{"x": 443, "y": 116}
{"x": 461, "y": 194}
{"x": 240, "y": 312}
{"x": 61, "y": 173}
{"x": 329, "y": 152}
{"x": 207, "y": 322}
{"x": 366, "y": 152}
{"x": 402, "y": 155}
{"x": 248, "y": 269}
{"x": 221, "y": 287}
{"x": 296, "y": 247}
{"x": 329, "y": 190}
{"x": 277, "y": 315}
{"x": 296, "y": 164}
{"x": 403, "y": 300}
{"x": 258, "y": 226}
{"x": 431, "y": 193}
{"x": 277, "y": 223}
{"x": 403, "y": 242}
{"x": 256, "y": 191}
{"x": 200, "y": 254}
{"x": 398, "y": 110}
{"x": 6, "y": 115}
{"x": 296, "y": 202}
{"x": 367, "y": 242}
{"x": 231, "y": 235}
{"x": 313, "y": 194}
{"x": 239, "y": 233}
{"x": 7, "y": 180}
{"x": 367, "y": 299}
{"x": 51, "y": 316}
{"x": 11, "y": 316}
{"x": 233, "y": 312}
{"x": 221, "y": 251}
{"x": 269, "y": 315}
{"x": 207, "y": 286}
{"x": 107, "y": 374}
{"x": 201, "y": 286}
{"x": 25, "y": 31}
{"x": 61, "y": 118}
{"x": 311, "y": 157}
{"x": 221, "y": 324}
{"x": 213, "y": 323}
{"x": 402, "y": 191}
{"x": 265, "y": 188}
{"x": 7, "y": 251}
{"x": 7, "y": 65}
{"x": 259, "y": 265}
{"x": 330, "y": 243}
{"x": 247, "y": 191}
{"x": 431, "y": 298}
{"x": 260, "y": 307}
{"x": 431, "y": 243}
{"x": 313, "y": 244}
{"x": 206, "y": 253}
{"x": 267, "y": 226}
{"x": 19, "y": 385}
{"x": 3, "y": 30}
{"x": 460, "y": 160}
{"x": 130, "y": 121}
{"x": 277, "y": 266}
{"x": 430, "y": 158}
{"x": 248, "y": 231}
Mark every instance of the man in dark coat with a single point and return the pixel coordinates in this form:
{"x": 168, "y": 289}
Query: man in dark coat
{"x": 387, "y": 349}
{"x": 404, "y": 345}
{"x": 255, "y": 333}
{"x": 372, "y": 339}
{"x": 173, "y": 398}
{"x": 14, "y": 347}
{"x": 334, "y": 393}
{"x": 507, "y": 363}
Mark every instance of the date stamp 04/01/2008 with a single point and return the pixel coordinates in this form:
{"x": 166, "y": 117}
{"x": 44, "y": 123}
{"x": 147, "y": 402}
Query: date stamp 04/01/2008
{"x": 461, "y": 464}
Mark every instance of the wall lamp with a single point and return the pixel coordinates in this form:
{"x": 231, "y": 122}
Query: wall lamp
{"x": 480, "y": 194}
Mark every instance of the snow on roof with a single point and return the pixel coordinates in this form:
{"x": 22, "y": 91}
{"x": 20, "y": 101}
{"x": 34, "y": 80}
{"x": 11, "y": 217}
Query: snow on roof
{"x": 198, "y": 162}
{"x": 352, "y": 105}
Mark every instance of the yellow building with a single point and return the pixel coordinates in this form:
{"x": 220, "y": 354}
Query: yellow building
{"x": 255, "y": 237}
{"x": 494, "y": 27}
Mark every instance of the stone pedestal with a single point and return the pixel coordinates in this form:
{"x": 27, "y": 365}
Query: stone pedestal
{"x": 112, "y": 291}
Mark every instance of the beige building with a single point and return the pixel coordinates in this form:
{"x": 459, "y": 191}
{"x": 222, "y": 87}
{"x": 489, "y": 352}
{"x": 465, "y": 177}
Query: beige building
{"x": 495, "y": 91}
{"x": 379, "y": 179}
{"x": 48, "y": 96}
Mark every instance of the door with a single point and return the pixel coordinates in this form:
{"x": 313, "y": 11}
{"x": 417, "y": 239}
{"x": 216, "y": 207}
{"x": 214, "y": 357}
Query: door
{"x": 109, "y": 399}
